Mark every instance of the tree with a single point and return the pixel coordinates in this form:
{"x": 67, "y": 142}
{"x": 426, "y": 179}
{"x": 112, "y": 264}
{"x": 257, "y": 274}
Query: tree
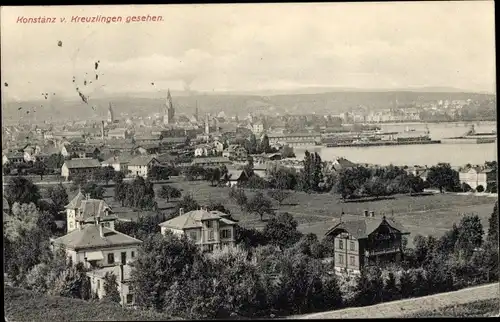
{"x": 213, "y": 175}
{"x": 406, "y": 284}
{"x": 21, "y": 190}
{"x": 111, "y": 292}
{"x": 118, "y": 177}
{"x": 249, "y": 238}
{"x": 39, "y": 168}
{"x": 70, "y": 283}
{"x": 55, "y": 161}
{"x": 416, "y": 184}
{"x": 309, "y": 245}
{"x": 264, "y": 145}
{"x": 369, "y": 286}
{"x": 278, "y": 195}
{"x": 260, "y": 205}
{"x": 443, "y": 177}
{"x": 24, "y": 216}
{"x": 161, "y": 172}
{"x": 58, "y": 195}
{"x": 218, "y": 206}
{"x": 287, "y": 152}
{"x": 252, "y": 144}
{"x": 144, "y": 227}
{"x": 493, "y": 227}
{"x": 470, "y": 235}
{"x": 169, "y": 192}
{"x": 375, "y": 187}
{"x": 187, "y": 203}
{"x": 256, "y": 182}
{"x": 391, "y": 291}
{"x": 94, "y": 190}
{"x": 281, "y": 230}
{"x": 480, "y": 188}
{"x": 238, "y": 195}
{"x": 105, "y": 174}
{"x": 161, "y": 262}
{"x": 283, "y": 179}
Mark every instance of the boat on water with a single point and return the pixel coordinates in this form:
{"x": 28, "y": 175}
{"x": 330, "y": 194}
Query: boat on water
{"x": 473, "y": 137}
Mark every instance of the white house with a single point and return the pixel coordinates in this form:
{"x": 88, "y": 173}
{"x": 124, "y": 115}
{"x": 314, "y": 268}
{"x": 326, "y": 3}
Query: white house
{"x": 203, "y": 150}
{"x": 119, "y": 163}
{"x": 82, "y": 210}
{"x": 477, "y": 176}
{"x": 142, "y": 165}
{"x": 123, "y": 279}
{"x": 97, "y": 246}
{"x": 208, "y": 229}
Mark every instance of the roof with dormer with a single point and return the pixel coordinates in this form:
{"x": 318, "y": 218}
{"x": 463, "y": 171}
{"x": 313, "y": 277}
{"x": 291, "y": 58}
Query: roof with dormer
{"x": 193, "y": 219}
{"x": 93, "y": 208}
{"x": 89, "y": 237}
{"x": 362, "y": 228}
{"x": 76, "y": 201}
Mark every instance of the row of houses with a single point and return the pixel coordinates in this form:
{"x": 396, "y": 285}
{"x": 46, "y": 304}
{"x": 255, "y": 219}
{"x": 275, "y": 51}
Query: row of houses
{"x": 92, "y": 240}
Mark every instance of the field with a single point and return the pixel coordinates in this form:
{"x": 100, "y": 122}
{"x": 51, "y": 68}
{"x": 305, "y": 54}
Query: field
{"x": 475, "y": 301}
{"x": 486, "y": 308}
{"x": 23, "y": 305}
{"x": 426, "y": 215}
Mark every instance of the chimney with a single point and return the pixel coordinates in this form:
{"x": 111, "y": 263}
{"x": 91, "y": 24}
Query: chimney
{"x": 372, "y": 213}
{"x": 365, "y": 213}
{"x": 181, "y": 211}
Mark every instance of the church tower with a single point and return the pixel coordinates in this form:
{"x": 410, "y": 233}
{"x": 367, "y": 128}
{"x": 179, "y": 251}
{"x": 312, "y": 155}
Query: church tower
{"x": 168, "y": 117}
{"x": 111, "y": 117}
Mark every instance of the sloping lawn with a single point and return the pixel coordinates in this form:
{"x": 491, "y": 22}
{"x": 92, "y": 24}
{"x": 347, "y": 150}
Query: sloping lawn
{"x": 23, "y": 305}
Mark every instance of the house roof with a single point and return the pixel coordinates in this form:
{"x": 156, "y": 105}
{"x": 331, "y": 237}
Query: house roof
{"x": 76, "y": 201}
{"x": 193, "y": 219}
{"x": 93, "y": 207}
{"x": 173, "y": 140}
{"x": 89, "y": 237}
{"x": 211, "y": 160}
{"x": 235, "y": 174}
{"x": 122, "y": 158}
{"x": 82, "y": 163}
{"x": 362, "y": 228}
{"x": 142, "y": 160}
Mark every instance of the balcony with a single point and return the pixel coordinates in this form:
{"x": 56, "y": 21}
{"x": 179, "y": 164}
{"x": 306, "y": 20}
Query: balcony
{"x": 375, "y": 252}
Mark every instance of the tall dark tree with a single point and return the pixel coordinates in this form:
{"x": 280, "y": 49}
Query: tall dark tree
{"x": 264, "y": 145}
{"x": 470, "y": 235}
{"x": 58, "y": 195}
{"x": 21, "y": 190}
{"x": 493, "y": 227}
{"x": 281, "y": 230}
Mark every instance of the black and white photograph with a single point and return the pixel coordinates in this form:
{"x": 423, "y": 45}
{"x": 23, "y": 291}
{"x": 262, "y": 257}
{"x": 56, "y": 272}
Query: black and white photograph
{"x": 249, "y": 161}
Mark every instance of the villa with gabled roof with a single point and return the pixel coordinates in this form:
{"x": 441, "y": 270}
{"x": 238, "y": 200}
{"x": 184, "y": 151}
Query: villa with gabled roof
{"x": 366, "y": 240}
{"x": 208, "y": 229}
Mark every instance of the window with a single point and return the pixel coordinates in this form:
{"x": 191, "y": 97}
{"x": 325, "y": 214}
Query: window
{"x": 211, "y": 235}
{"x": 341, "y": 244}
{"x": 209, "y": 224}
{"x": 98, "y": 284}
{"x": 226, "y": 233}
{"x": 193, "y": 235}
{"x": 130, "y": 288}
{"x": 352, "y": 246}
{"x": 352, "y": 260}
{"x": 111, "y": 258}
{"x": 132, "y": 254}
{"x": 341, "y": 259}
{"x": 210, "y": 247}
{"x": 130, "y": 298}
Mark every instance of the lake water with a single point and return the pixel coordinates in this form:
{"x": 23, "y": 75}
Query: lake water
{"x": 430, "y": 154}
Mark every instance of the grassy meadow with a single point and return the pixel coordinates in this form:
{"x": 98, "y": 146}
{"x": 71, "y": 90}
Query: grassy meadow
{"x": 420, "y": 214}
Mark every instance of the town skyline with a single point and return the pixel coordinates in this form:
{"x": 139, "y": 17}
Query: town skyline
{"x": 235, "y": 48}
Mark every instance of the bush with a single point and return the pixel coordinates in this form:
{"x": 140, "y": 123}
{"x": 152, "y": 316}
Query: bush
{"x": 480, "y": 188}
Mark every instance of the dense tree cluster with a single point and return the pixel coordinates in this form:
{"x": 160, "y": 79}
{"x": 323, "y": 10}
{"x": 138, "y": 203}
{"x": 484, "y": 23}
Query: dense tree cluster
{"x": 137, "y": 194}
{"x": 360, "y": 181}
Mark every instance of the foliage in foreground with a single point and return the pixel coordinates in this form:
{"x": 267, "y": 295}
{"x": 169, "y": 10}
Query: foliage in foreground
{"x": 54, "y": 308}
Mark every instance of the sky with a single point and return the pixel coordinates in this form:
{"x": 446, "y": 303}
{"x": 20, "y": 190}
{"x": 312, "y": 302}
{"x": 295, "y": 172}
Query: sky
{"x": 250, "y": 47}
